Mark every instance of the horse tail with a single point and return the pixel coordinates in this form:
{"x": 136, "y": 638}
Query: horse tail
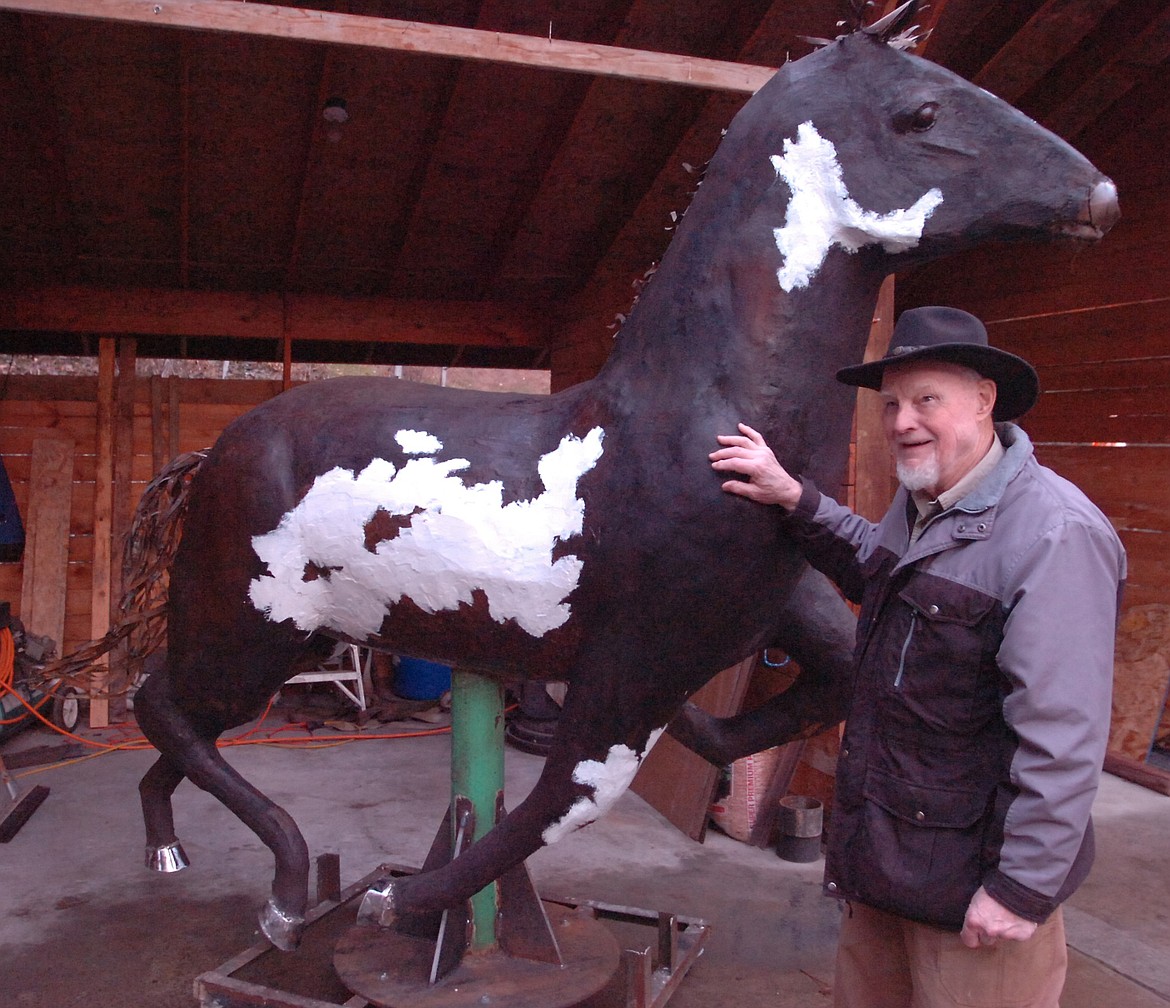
{"x": 155, "y": 532}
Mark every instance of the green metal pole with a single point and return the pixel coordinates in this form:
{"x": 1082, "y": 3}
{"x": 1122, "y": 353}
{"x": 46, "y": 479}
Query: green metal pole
{"x": 477, "y": 774}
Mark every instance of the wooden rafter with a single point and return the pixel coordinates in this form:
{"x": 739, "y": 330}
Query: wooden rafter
{"x": 409, "y": 36}
{"x": 184, "y": 164}
{"x": 308, "y": 159}
{"x": 270, "y": 316}
{"x": 1144, "y": 59}
{"x": 1050, "y": 34}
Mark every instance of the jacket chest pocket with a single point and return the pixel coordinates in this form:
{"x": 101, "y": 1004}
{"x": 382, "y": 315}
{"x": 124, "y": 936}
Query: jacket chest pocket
{"x": 946, "y": 652}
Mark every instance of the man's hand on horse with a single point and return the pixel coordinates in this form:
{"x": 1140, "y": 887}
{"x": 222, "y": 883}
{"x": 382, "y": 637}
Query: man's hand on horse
{"x": 748, "y": 454}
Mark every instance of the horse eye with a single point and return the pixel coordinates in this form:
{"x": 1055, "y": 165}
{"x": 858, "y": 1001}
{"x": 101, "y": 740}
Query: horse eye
{"x": 920, "y": 120}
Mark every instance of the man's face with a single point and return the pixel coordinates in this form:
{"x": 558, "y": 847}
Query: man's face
{"x": 937, "y": 419}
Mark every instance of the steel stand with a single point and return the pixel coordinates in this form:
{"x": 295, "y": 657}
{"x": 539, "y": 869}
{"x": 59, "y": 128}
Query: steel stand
{"x": 659, "y": 948}
{"x": 506, "y": 946}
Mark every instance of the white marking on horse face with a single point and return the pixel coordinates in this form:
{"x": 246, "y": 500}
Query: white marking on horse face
{"x": 609, "y": 781}
{"x": 821, "y": 214}
{"x": 463, "y": 538}
{"x": 414, "y": 442}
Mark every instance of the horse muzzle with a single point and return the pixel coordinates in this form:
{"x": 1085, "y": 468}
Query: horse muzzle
{"x": 1097, "y": 214}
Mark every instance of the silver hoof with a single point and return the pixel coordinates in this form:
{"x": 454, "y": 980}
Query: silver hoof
{"x": 377, "y": 906}
{"x": 284, "y": 930}
{"x": 168, "y": 858}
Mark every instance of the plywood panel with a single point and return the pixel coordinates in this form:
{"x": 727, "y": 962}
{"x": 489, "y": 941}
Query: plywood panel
{"x": 1105, "y": 376}
{"x": 675, "y": 781}
{"x": 1149, "y": 567}
{"x": 42, "y": 597}
{"x": 1134, "y": 331}
{"x": 1133, "y": 416}
{"x": 1129, "y": 484}
{"x": 1141, "y": 676}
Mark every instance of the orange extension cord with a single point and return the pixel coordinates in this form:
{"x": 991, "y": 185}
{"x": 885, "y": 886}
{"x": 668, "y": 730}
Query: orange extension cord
{"x": 249, "y": 737}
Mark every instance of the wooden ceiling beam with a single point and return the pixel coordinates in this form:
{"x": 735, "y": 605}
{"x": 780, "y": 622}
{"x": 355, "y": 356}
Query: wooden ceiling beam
{"x": 270, "y": 316}
{"x": 1050, "y": 34}
{"x": 1143, "y": 60}
{"x": 927, "y": 21}
{"x": 309, "y": 159}
{"x": 410, "y": 36}
{"x": 184, "y": 163}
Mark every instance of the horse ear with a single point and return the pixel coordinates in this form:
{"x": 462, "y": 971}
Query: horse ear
{"x": 893, "y": 23}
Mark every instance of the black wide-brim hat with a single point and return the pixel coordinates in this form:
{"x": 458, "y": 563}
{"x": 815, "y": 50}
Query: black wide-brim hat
{"x": 950, "y": 334}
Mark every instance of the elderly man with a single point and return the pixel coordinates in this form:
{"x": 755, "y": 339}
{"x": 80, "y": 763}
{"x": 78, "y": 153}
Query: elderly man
{"x": 989, "y": 595}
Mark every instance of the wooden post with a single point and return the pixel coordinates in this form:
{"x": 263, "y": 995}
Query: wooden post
{"x": 103, "y": 509}
{"x": 160, "y": 449}
{"x": 286, "y": 368}
{"x": 874, "y": 488}
{"x": 173, "y": 417}
{"x": 120, "y": 674}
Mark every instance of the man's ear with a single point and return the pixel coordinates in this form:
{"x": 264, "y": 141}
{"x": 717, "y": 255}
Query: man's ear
{"x": 986, "y": 391}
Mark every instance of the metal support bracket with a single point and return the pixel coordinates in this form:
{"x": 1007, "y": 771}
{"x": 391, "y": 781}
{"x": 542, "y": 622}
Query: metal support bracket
{"x": 652, "y": 969}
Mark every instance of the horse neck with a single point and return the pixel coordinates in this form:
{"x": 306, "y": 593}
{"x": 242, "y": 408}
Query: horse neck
{"x": 697, "y": 343}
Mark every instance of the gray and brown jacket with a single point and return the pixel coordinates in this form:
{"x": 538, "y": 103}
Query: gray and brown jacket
{"x": 981, "y": 702}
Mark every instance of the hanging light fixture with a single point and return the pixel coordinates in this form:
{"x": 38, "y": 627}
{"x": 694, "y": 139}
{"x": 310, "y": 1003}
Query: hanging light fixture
{"x": 335, "y": 115}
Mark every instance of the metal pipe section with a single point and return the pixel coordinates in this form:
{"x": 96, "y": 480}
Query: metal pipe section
{"x": 477, "y": 774}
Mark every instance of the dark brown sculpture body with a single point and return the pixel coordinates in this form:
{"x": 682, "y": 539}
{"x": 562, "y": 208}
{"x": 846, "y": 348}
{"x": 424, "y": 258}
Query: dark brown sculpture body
{"x": 582, "y": 536}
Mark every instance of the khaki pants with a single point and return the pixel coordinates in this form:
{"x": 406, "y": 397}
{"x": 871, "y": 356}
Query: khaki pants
{"x": 885, "y": 961}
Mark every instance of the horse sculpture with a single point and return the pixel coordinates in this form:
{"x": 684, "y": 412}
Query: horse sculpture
{"x": 581, "y": 536}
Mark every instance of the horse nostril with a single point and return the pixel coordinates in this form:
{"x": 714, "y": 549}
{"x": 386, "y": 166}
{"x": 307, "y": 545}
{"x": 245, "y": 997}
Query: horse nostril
{"x": 1104, "y": 211}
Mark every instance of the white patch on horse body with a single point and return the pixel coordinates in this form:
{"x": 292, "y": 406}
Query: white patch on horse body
{"x": 609, "y": 781}
{"x": 821, "y": 214}
{"x": 462, "y": 538}
{"x": 414, "y": 442}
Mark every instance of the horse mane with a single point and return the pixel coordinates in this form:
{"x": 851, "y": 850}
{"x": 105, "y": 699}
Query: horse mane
{"x": 894, "y": 29}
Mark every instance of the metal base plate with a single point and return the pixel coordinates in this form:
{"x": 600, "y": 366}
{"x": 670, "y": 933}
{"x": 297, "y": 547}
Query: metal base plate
{"x": 261, "y": 975}
{"x": 390, "y": 969}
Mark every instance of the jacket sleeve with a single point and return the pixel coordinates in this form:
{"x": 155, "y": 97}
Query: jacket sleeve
{"x": 1057, "y": 655}
{"x": 832, "y": 538}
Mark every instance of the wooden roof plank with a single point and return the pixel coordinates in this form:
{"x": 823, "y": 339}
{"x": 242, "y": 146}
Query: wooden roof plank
{"x": 410, "y": 36}
{"x": 1050, "y": 35}
{"x": 1144, "y": 58}
{"x": 501, "y": 129}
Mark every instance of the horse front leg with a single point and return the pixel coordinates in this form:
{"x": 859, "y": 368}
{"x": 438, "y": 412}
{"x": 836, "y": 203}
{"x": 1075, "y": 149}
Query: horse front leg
{"x": 599, "y": 744}
{"x": 817, "y": 629}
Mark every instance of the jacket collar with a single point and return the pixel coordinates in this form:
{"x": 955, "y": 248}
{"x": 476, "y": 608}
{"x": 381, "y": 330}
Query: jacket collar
{"x": 990, "y": 490}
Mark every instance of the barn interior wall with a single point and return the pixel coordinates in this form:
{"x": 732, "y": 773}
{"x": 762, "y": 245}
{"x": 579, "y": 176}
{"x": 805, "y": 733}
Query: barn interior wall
{"x": 33, "y": 408}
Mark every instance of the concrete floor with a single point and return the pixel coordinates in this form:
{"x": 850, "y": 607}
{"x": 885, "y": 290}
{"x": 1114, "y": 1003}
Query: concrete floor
{"x": 85, "y": 924}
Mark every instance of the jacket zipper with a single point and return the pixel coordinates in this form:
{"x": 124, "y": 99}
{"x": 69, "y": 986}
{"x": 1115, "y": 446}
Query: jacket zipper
{"x": 905, "y": 648}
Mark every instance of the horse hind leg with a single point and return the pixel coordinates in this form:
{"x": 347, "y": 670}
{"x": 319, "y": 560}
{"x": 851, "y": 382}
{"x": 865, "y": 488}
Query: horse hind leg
{"x": 164, "y": 853}
{"x": 594, "y": 756}
{"x": 190, "y": 751}
{"x": 817, "y": 629}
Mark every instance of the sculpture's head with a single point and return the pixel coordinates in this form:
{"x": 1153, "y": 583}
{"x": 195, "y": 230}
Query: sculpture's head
{"x": 865, "y": 148}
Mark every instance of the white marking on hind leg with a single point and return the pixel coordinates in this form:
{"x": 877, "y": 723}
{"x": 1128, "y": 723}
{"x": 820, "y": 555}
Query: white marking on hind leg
{"x": 609, "y": 781}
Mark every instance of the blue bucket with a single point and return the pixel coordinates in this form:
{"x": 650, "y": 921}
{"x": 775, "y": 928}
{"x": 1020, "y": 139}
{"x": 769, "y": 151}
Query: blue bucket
{"x": 417, "y": 679}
